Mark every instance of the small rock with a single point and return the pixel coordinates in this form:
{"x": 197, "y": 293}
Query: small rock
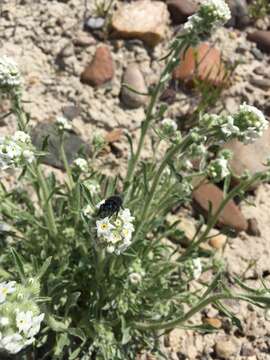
{"x": 247, "y": 350}
{"x": 204, "y": 63}
{"x": 261, "y": 38}
{"x": 71, "y": 112}
{"x": 257, "y": 54}
{"x": 100, "y": 70}
{"x": 83, "y": 39}
{"x": 253, "y": 227}
{"x": 250, "y": 157}
{"x": 72, "y": 144}
{"x": 231, "y": 215}
{"x": 134, "y": 78}
{"x": 218, "y": 241}
{"x": 225, "y": 349}
{"x": 114, "y": 135}
{"x": 260, "y": 70}
{"x": 215, "y": 322}
{"x": 263, "y": 84}
{"x": 240, "y": 16}
{"x": 168, "y": 96}
{"x": 144, "y": 19}
{"x": 180, "y": 10}
{"x": 94, "y": 23}
{"x": 185, "y": 230}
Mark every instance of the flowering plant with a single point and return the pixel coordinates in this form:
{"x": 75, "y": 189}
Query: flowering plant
{"x": 96, "y": 275}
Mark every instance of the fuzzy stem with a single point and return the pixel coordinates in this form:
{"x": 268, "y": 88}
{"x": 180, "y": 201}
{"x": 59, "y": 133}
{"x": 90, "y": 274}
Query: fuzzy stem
{"x": 70, "y": 182}
{"x": 47, "y": 206}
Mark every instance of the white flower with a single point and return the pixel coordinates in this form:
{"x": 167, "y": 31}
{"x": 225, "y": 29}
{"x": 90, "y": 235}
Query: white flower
{"x": 197, "y": 268}
{"x": 4, "y": 321}
{"x": 29, "y": 156}
{"x": 228, "y": 128}
{"x": 135, "y": 278}
{"x": 87, "y": 210}
{"x": 22, "y": 137}
{"x": 114, "y": 237}
{"x": 5, "y": 289}
{"x": 10, "y": 77}
{"x": 35, "y": 326}
{"x": 218, "y": 169}
{"x": 110, "y": 249}
{"x": 24, "y": 321}
{"x": 169, "y": 124}
{"x": 93, "y": 187}
{"x": 251, "y": 123}
{"x": 12, "y": 343}
{"x": 125, "y": 215}
{"x": 104, "y": 226}
{"x": 63, "y": 123}
{"x": 13, "y": 150}
{"x": 212, "y": 13}
{"x": 81, "y": 164}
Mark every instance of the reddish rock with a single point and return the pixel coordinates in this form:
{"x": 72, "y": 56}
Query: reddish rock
{"x": 100, "y": 70}
{"x": 204, "y": 63}
{"x": 261, "y": 38}
{"x": 114, "y": 135}
{"x": 230, "y": 216}
{"x": 180, "y": 10}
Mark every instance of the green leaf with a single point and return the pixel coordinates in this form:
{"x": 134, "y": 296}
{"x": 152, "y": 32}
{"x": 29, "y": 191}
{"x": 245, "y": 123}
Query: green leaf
{"x": 77, "y": 333}
{"x": 44, "y": 267}
{"x": 56, "y": 325}
{"x": 72, "y": 301}
{"x": 61, "y": 342}
{"x": 18, "y": 263}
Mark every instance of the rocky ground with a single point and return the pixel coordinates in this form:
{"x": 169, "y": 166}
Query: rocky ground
{"x": 73, "y": 66}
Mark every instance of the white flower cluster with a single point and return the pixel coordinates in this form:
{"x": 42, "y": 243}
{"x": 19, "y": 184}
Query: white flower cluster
{"x": 20, "y": 318}
{"x": 93, "y": 186}
{"x": 211, "y": 14}
{"x": 169, "y": 125}
{"x": 168, "y": 129}
{"x": 245, "y": 125}
{"x": 218, "y": 168}
{"x": 81, "y": 164}
{"x": 63, "y": 123}
{"x": 251, "y": 123}
{"x": 16, "y": 149}
{"x": 115, "y": 234}
{"x": 10, "y": 78}
{"x": 136, "y": 273}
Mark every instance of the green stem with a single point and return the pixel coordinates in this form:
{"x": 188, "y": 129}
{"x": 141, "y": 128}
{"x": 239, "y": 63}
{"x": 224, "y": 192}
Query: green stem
{"x": 149, "y": 115}
{"x": 182, "y": 319}
{"x": 47, "y": 206}
{"x": 171, "y": 152}
{"x": 65, "y": 162}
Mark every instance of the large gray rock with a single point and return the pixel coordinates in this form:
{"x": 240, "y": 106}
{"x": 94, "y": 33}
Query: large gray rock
{"x": 133, "y": 78}
{"x": 72, "y": 144}
{"x": 180, "y": 10}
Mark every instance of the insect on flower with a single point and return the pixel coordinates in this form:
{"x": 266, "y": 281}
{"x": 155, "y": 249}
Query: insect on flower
{"x": 111, "y": 206}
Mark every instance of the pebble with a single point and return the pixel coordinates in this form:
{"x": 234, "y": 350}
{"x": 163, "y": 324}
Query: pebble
{"x": 134, "y": 78}
{"x": 253, "y": 227}
{"x": 168, "y": 96}
{"x": 180, "y": 10}
{"x": 146, "y": 20}
{"x": 185, "y": 230}
{"x": 225, "y": 349}
{"x": 100, "y": 70}
{"x": 94, "y": 23}
{"x": 218, "y": 241}
{"x": 261, "y": 38}
{"x": 215, "y": 322}
{"x": 203, "y": 62}
{"x": 263, "y": 84}
{"x": 231, "y": 215}
{"x": 240, "y": 16}
{"x": 114, "y": 135}
{"x": 83, "y": 39}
